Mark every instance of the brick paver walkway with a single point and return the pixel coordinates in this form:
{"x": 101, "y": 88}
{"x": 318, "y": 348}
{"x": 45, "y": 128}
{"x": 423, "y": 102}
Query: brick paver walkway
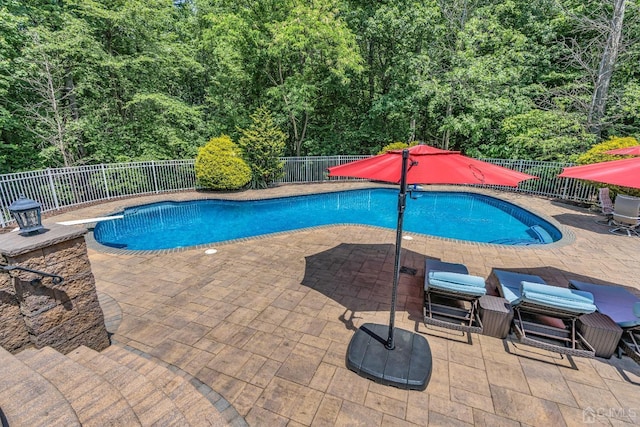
{"x": 266, "y": 322}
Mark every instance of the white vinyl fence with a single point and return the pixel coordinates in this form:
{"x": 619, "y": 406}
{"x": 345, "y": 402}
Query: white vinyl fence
{"x": 59, "y": 188}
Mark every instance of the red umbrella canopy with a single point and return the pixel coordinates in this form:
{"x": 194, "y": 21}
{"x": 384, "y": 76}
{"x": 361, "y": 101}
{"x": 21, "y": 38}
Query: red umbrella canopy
{"x": 625, "y": 173}
{"x": 627, "y": 151}
{"x": 430, "y": 165}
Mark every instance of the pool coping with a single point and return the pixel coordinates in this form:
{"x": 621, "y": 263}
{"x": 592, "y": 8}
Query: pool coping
{"x": 568, "y": 237}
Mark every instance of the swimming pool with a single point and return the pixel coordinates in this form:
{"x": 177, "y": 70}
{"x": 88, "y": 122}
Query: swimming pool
{"x": 456, "y": 215}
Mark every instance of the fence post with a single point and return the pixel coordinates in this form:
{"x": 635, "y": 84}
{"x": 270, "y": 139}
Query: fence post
{"x": 5, "y": 209}
{"x": 53, "y": 189}
{"x": 104, "y": 179}
{"x": 155, "y": 177}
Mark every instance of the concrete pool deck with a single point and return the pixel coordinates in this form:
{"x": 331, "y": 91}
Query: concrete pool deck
{"x": 266, "y": 321}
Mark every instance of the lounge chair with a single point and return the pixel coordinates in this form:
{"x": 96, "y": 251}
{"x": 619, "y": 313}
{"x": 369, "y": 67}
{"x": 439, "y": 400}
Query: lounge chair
{"x": 626, "y": 215}
{"x": 451, "y": 296}
{"x": 606, "y": 206}
{"x": 545, "y": 316}
{"x": 622, "y": 307}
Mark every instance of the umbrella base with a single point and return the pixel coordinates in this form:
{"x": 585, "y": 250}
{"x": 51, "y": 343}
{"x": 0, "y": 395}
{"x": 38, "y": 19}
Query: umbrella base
{"x": 407, "y": 366}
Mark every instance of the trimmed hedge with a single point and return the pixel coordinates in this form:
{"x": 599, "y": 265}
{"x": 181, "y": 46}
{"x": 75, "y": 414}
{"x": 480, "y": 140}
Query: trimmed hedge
{"x": 220, "y": 166}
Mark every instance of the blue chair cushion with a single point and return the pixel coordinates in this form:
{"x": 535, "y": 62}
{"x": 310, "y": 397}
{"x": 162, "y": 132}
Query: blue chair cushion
{"x": 570, "y": 300}
{"x": 456, "y": 282}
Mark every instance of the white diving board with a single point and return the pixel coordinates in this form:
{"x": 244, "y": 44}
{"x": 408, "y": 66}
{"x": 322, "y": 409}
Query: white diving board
{"x": 90, "y": 220}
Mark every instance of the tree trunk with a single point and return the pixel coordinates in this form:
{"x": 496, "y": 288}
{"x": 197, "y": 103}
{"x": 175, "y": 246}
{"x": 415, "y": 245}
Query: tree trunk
{"x": 445, "y": 137}
{"x": 412, "y": 127}
{"x": 59, "y": 137}
{"x": 70, "y": 96}
{"x": 370, "y": 63}
{"x": 606, "y": 68}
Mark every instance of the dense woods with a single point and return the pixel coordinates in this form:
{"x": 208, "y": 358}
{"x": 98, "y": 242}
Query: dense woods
{"x": 88, "y": 81}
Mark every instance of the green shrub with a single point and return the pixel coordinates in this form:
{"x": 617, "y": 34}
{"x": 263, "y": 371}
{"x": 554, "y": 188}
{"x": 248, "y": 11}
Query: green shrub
{"x": 263, "y": 144}
{"x": 397, "y": 146}
{"x": 597, "y": 153}
{"x": 219, "y": 165}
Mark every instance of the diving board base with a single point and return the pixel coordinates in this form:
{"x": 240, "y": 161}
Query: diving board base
{"x": 407, "y": 366}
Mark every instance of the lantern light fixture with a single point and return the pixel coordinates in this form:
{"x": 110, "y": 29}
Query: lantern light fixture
{"x": 28, "y": 215}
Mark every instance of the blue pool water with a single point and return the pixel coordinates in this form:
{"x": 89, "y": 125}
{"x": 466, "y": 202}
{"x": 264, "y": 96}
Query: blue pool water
{"x": 463, "y": 216}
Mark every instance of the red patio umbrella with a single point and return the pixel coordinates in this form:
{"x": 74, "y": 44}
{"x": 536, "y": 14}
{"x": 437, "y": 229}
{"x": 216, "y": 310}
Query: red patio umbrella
{"x": 627, "y": 151}
{"x": 430, "y": 165}
{"x": 421, "y": 164}
{"x": 624, "y": 173}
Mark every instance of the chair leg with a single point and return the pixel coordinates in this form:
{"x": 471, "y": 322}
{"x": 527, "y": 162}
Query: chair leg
{"x": 427, "y": 305}
{"x": 606, "y": 220}
{"x": 629, "y": 230}
{"x": 636, "y": 345}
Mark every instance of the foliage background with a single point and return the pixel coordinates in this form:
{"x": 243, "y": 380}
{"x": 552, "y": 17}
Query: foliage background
{"x": 87, "y": 81}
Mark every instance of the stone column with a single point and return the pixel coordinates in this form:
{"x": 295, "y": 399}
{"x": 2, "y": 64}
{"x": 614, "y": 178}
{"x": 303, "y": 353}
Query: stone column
{"x": 34, "y": 311}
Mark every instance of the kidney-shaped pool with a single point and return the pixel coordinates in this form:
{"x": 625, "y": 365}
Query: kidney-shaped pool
{"x": 457, "y": 215}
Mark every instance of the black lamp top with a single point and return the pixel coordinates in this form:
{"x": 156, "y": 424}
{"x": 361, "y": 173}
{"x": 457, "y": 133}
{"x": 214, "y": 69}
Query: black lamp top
{"x": 24, "y": 204}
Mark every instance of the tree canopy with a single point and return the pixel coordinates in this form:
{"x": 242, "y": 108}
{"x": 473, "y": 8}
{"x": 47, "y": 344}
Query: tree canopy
{"x": 87, "y": 81}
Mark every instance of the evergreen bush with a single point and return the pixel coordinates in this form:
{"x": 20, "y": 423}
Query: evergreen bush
{"x": 220, "y": 166}
{"x": 263, "y": 143}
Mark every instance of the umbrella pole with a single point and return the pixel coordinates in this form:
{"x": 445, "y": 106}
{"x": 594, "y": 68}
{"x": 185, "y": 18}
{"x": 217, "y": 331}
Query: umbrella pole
{"x": 402, "y": 202}
{"x": 407, "y": 364}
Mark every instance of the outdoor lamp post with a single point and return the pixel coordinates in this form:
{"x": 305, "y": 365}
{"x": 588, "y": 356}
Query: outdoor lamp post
{"x": 28, "y": 215}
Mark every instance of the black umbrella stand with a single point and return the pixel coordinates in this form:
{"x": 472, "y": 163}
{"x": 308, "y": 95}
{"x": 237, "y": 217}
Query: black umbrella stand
{"x": 403, "y": 359}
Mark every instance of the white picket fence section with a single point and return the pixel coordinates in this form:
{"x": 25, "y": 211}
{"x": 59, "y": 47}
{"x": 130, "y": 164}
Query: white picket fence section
{"x": 60, "y": 188}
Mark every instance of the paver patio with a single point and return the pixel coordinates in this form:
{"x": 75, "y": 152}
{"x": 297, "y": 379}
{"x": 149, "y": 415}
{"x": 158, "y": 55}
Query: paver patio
{"x": 266, "y": 322}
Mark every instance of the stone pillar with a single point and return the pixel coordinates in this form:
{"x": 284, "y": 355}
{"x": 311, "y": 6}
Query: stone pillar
{"x": 40, "y": 313}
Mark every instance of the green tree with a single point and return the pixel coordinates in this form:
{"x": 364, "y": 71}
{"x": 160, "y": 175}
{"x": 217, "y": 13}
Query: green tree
{"x": 84, "y": 81}
{"x": 54, "y": 67}
{"x": 229, "y": 51}
{"x": 263, "y": 143}
{"x": 387, "y": 101}
{"x": 147, "y": 100}
{"x": 310, "y": 50}
{"x": 18, "y": 149}
{"x": 491, "y": 57}
{"x": 543, "y": 135}
{"x": 164, "y": 127}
